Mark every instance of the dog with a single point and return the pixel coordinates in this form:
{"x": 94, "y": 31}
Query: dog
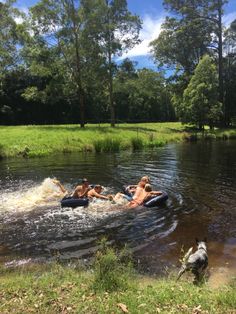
{"x": 196, "y": 262}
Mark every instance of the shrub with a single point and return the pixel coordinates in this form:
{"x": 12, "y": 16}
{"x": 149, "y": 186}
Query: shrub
{"x": 112, "y": 271}
{"x": 107, "y": 145}
{"x": 1, "y": 151}
{"x": 137, "y": 143}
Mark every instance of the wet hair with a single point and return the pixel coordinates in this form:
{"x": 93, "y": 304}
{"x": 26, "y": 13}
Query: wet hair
{"x": 97, "y": 186}
{"x": 148, "y": 188}
{"x": 146, "y": 179}
{"x": 84, "y": 180}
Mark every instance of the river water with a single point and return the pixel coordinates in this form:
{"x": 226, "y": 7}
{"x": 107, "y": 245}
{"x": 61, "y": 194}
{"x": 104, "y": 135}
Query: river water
{"x": 200, "y": 179}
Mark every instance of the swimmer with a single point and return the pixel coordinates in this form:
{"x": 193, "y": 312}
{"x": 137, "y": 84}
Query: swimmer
{"x": 136, "y": 190}
{"x": 82, "y": 189}
{"x": 96, "y": 192}
{"x": 143, "y": 196}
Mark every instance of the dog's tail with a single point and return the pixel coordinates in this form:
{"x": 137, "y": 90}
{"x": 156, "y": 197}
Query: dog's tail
{"x": 182, "y": 270}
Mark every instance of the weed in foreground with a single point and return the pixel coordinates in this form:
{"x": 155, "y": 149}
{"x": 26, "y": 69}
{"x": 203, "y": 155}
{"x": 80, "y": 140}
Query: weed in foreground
{"x": 107, "y": 145}
{"x": 112, "y": 271}
{"x": 137, "y": 143}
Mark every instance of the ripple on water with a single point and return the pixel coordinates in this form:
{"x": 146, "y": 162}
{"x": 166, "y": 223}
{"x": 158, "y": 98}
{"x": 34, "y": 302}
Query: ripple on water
{"x": 200, "y": 182}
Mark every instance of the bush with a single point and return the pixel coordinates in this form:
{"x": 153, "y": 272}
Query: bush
{"x": 112, "y": 271}
{"x": 1, "y": 151}
{"x": 107, "y": 145}
{"x": 137, "y": 143}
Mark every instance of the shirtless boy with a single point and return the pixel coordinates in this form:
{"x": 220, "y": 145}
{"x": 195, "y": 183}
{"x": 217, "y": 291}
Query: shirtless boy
{"x": 82, "y": 190}
{"x": 143, "y": 196}
{"x": 135, "y": 189}
{"x": 96, "y": 192}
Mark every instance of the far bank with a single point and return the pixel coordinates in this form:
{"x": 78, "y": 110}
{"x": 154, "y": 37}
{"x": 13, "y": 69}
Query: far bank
{"x": 44, "y": 140}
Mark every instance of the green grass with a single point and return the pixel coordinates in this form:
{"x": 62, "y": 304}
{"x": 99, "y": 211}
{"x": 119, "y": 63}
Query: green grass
{"x": 62, "y": 289}
{"x": 31, "y": 141}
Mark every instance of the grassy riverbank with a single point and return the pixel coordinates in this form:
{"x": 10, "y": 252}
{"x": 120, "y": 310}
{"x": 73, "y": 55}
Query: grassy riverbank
{"x": 31, "y": 141}
{"x": 60, "y": 289}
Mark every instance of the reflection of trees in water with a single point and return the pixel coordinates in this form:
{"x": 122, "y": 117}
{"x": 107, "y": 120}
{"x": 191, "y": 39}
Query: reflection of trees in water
{"x": 207, "y": 172}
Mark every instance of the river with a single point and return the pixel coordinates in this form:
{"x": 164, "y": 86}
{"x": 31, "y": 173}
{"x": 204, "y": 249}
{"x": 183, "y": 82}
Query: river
{"x": 200, "y": 179}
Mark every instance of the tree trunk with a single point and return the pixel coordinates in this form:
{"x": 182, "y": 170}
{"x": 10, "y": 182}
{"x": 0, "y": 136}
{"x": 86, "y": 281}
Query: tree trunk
{"x": 220, "y": 61}
{"x": 111, "y": 101}
{"x": 82, "y": 115}
{"x": 78, "y": 68}
{"x": 110, "y": 77}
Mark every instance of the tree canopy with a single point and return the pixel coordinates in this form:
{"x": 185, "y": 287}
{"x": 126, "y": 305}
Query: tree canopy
{"x": 61, "y": 63}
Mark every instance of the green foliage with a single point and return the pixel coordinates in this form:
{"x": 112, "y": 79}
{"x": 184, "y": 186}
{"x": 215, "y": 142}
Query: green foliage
{"x": 111, "y": 270}
{"x": 200, "y": 102}
{"x": 33, "y": 141}
{"x": 181, "y": 43}
{"x": 53, "y": 288}
{"x": 142, "y": 95}
{"x": 137, "y": 143}
{"x": 108, "y": 144}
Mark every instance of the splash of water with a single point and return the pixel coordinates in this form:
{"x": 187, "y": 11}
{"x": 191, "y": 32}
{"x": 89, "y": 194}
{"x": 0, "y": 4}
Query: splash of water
{"x": 46, "y": 193}
{"x": 49, "y": 194}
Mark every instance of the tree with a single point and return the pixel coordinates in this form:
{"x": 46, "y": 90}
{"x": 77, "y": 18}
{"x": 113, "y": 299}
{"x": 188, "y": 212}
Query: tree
{"x": 200, "y": 101}
{"x": 141, "y": 95}
{"x": 181, "y": 44}
{"x": 65, "y": 45}
{"x": 120, "y": 32}
{"x": 211, "y": 13}
{"x": 11, "y": 35}
{"x": 230, "y": 73}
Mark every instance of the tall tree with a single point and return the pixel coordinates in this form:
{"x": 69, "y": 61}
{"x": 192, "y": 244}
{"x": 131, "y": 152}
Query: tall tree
{"x": 181, "y": 44}
{"x": 63, "y": 30}
{"x": 230, "y": 73}
{"x": 11, "y": 35}
{"x": 120, "y": 33}
{"x": 210, "y": 11}
{"x": 200, "y": 102}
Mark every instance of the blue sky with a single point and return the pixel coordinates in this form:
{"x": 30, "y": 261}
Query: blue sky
{"x": 152, "y": 14}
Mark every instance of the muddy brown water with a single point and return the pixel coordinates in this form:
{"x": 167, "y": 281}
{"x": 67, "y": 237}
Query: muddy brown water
{"x": 200, "y": 179}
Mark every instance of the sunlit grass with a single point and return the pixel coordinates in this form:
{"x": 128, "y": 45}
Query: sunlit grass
{"x": 30, "y": 141}
{"x": 62, "y": 289}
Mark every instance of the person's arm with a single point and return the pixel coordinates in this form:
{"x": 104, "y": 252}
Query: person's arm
{"x": 76, "y": 192}
{"x": 95, "y": 194}
{"x": 156, "y": 193}
{"x": 58, "y": 183}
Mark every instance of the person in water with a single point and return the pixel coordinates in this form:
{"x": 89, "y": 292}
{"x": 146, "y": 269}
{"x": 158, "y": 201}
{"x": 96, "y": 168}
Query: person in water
{"x": 82, "y": 189}
{"x": 136, "y": 190}
{"x": 96, "y": 192}
{"x": 145, "y": 195}
{"x": 132, "y": 188}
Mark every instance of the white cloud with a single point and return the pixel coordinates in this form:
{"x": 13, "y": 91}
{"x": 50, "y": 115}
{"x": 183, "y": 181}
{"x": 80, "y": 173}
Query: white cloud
{"x": 150, "y": 31}
{"x": 229, "y": 18}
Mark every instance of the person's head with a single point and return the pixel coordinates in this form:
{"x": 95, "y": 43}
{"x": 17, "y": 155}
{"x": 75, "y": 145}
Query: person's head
{"x": 85, "y": 182}
{"x": 148, "y": 187}
{"x": 144, "y": 180}
{"x": 98, "y": 188}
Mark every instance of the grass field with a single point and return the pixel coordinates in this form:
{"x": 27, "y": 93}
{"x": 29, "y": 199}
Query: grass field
{"x": 60, "y": 289}
{"x": 31, "y": 141}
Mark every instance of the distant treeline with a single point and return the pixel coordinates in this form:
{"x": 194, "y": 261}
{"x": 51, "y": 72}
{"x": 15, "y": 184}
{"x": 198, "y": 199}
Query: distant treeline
{"x": 58, "y": 64}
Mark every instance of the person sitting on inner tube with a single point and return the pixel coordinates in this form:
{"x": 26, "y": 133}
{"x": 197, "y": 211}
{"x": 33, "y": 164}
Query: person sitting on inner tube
{"x": 96, "y": 192}
{"x": 132, "y": 188}
{"x": 136, "y": 189}
{"x": 82, "y": 190}
{"x": 143, "y": 197}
